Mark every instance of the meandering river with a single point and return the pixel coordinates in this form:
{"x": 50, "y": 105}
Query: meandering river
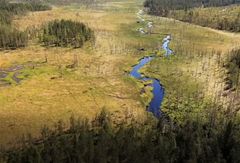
{"x": 158, "y": 90}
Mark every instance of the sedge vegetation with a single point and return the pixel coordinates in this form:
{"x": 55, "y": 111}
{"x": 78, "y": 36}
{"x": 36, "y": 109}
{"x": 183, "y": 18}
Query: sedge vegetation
{"x": 54, "y": 90}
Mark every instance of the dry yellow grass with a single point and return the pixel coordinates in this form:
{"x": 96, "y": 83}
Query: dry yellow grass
{"x": 53, "y": 93}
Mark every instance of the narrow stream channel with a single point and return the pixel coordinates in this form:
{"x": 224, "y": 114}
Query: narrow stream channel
{"x": 158, "y": 90}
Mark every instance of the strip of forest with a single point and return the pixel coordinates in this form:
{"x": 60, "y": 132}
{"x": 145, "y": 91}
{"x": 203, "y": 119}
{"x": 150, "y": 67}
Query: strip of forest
{"x": 217, "y": 14}
{"x": 215, "y": 139}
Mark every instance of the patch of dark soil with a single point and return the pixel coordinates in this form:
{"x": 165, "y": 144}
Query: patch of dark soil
{"x": 15, "y": 68}
{"x": 12, "y": 68}
{"x": 141, "y": 49}
{"x": 3, "y": 75}
{"x": 4, "y": 72}
{"x": 142, "y": 91}
{"x": 16, "y": 78}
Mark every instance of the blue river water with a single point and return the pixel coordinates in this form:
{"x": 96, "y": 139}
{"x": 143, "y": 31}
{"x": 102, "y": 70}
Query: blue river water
{"x": 165, "y": 45}
{"x": 158, "y": 90}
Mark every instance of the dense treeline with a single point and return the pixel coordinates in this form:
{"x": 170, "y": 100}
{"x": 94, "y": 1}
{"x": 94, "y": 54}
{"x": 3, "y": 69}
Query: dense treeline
{"x": 221, "y": 18}
{"x": 11, "y": 38}
{"x": 64, "y": 2}
{"x": 86, "y": 3}
{"x": 5, "y": 17}
{"x": 159, "y": 6}
{"x": 19, "y": 8}
{"x": 217, "y": 18}
{"x": 202, "y": 141}
{"x": 66, "y": 33}
{"x": 233, "y": 68}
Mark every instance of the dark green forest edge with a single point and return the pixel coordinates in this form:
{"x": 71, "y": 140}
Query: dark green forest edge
{"x": 214, "y": 139}
{"x": 233, "y": 70}
{"x": 10, "y": 37}
{"x": 198, "y": 12}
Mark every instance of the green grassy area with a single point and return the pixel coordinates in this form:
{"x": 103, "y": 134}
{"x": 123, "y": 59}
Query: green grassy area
{"x": 184, "y": 95}
{"x": 194, "y": 77}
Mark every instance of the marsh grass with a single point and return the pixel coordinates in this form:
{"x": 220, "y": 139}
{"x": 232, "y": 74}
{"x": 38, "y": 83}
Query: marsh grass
{"x": 52, "y": 91}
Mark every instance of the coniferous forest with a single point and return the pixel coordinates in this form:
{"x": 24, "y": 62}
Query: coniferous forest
{"x": 66, "y": 33}
{"x": 10, "y": 37}
{"x": 198, "y": 12}
{"x": 233, "y": 67}
{"x": 84, "y": 2}
{"x": 159, "y": 5}
{"x": 202, "y": 141}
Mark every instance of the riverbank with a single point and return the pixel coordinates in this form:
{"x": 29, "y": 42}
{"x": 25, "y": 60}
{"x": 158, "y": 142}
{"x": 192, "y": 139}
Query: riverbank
{"x": 157, "y": 89}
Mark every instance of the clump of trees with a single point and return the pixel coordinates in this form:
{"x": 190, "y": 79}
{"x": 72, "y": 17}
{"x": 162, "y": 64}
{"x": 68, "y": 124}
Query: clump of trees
{"x": 233, "y": 70}
{"x": 216, "y": 139}
{"x": 66, "y": 33}
{"x": 11, "y": 38}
